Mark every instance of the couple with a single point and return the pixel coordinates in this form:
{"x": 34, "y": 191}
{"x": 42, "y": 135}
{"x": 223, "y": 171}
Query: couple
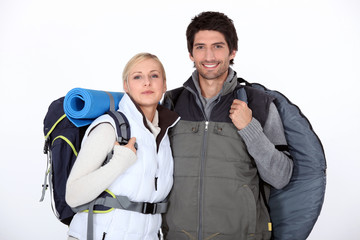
{"x": 222, "y": 160}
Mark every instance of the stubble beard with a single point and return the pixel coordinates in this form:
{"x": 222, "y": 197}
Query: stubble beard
{"x": 210, "y": 75}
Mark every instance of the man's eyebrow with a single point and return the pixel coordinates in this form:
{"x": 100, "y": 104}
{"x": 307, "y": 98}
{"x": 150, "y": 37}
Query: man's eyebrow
{"x": 218, "y": 43}
{"x": 215, "y": 43}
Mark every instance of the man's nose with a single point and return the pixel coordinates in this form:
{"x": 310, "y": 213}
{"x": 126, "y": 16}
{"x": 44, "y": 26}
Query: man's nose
{"x": 209, "y": 55}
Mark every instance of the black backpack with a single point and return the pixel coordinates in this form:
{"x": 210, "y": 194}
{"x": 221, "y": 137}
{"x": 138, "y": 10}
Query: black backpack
{"x": 62, "y": 144}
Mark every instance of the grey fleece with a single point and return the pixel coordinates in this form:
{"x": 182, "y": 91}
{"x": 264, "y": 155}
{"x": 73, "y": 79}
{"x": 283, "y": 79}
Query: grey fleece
{"x": 274, "y": 166}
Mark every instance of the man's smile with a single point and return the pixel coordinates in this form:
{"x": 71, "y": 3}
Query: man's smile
{"x": 210, "y": 65}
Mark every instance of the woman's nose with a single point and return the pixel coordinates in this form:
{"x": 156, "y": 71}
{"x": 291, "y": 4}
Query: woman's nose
{"x": 146, "y": 81}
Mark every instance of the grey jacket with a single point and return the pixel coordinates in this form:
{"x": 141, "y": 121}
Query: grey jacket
{"x": 218, "y": 192}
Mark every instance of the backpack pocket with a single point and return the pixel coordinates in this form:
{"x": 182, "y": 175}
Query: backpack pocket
{"x": 63, "y": 154}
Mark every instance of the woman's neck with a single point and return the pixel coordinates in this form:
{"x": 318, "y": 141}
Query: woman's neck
{"x": 149, "y": 112}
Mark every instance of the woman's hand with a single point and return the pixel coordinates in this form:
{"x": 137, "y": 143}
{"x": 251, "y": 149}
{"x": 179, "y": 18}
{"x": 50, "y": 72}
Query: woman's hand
{"x": 130, "y": 144}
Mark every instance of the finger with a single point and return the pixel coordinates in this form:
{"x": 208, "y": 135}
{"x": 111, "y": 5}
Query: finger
{"x": 132, "y": 140}
{"x": 237, "y": 101}
{"x": 236, "y": 107}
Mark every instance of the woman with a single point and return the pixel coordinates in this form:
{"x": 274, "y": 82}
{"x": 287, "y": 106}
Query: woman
{"x": 143, "y": 175}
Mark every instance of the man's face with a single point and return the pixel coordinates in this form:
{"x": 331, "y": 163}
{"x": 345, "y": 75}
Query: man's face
{"x": 211, "y": 55}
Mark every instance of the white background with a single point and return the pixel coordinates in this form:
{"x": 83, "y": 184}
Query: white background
{"x": 309, "y": 50}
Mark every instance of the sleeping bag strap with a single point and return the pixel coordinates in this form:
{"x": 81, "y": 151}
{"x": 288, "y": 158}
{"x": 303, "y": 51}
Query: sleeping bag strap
{"x": 112, "y": 101}
{"x": 120, "y": 202}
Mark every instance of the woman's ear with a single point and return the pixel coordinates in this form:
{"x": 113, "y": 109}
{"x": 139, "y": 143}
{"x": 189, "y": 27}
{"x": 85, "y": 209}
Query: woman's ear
{"x": 125, "y": 86}
{"x": 165, "y": 87}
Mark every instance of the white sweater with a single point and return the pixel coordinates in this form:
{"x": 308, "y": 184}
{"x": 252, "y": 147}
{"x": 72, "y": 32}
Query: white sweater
{"x": 123, "y": 175}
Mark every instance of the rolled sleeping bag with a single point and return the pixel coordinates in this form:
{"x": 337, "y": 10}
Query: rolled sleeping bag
{"x": 82, "y": 105}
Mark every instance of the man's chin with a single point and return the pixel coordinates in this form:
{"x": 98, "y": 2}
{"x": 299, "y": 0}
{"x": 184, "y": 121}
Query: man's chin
{"x": 210, "y": 75}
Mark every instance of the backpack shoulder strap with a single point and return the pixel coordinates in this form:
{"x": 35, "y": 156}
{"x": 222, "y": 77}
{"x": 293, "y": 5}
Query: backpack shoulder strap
{"x": 122, "y": 125}
{"x": 257, "y": 100}
{"x": 122, "y": 128}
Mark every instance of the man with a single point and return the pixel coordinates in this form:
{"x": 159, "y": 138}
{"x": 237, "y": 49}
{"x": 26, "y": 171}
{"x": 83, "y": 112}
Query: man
{"x": 225, "y": 150}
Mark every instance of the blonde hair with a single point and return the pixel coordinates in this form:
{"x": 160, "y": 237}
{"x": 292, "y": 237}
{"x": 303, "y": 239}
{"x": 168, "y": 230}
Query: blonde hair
{"x": 137, "y": 59}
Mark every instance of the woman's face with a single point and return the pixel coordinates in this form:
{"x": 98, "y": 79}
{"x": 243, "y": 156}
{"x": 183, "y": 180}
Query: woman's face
{"x": 145, "y": 83}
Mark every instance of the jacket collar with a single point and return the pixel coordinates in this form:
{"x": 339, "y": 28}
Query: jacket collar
{"x": 167, "y": 118}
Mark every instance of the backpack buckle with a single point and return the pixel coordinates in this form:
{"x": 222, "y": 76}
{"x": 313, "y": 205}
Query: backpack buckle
{"x": 149, "y": 208}
{"x": 125, "y": 141}
{"x": 46, "y": 145}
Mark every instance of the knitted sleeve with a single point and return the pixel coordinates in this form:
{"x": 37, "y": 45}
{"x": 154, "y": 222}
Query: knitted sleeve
{"x": 274, "y": 166}
{"x": 88, "y": 178}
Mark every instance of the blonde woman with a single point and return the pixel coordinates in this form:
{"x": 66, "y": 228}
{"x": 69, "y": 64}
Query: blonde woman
{"x": 142, "y": 175}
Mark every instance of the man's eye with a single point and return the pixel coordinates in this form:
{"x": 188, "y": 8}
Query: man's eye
{"x": 218, "y": 46}
{"x": 199, "y": 47}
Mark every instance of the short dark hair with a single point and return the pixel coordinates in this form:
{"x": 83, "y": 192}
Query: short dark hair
{"x": 215, "y": 21}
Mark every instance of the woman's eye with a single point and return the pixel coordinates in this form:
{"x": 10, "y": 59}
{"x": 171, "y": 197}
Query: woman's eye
{"x": 154, "y": 76}
{"x": 137, "y": 77}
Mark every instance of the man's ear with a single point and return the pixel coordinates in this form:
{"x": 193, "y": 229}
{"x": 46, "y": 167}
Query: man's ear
{"x": 191, "y": 57}
{"x": 233, "y": 54}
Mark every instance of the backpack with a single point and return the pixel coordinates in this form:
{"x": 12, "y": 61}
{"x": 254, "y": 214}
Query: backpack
{"x": 62, "y": 144}
{"x": 295, "y": 208}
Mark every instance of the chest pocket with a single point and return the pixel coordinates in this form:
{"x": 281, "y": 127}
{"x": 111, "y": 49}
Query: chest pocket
{"x": 227, "y": 151}
{"x": 225, "y": 143}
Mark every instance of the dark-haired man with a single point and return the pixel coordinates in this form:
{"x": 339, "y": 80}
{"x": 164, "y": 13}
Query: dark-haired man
{"x": 225, "y": 150}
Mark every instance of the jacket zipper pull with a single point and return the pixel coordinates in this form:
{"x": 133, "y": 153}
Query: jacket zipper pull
{"x": 206, "y": 125}
{"x": 156, "y": 178}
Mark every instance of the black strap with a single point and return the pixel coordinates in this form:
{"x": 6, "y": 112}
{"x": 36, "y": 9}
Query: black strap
{"x": 122, "y": 126}
{"x": 282, "y": 148}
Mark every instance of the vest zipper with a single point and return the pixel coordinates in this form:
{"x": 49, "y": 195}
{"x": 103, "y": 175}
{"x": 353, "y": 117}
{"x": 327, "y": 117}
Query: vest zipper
{"x": 203, "y": 157}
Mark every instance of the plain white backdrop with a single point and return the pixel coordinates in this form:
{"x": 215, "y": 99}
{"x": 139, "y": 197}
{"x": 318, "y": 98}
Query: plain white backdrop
{"x": 307, "y": 49}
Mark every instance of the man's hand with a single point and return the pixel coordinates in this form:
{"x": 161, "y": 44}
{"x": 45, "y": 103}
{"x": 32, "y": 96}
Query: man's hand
{"x": 240, "y": 114}
{"x": 130, "y": 144}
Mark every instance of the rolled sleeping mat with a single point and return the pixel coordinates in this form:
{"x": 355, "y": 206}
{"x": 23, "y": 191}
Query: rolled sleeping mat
{"x": 82, "y": 105}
